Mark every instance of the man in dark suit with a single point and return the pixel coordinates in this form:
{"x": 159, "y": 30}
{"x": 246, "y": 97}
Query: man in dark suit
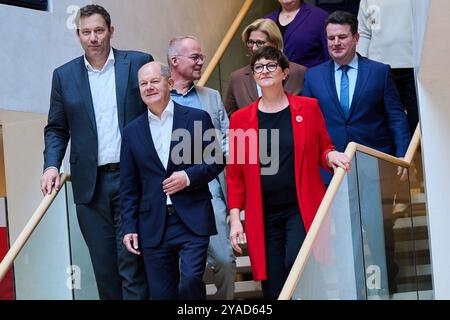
{"x": 165, "y": 201}
{"x": 357, "y": 96}
{"x": 360, "y": 103}
{"x": 93, "y": 97}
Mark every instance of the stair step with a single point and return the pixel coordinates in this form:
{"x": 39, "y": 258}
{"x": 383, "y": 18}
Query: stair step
{"x": 243, "y": 264}
{"x": 247, "y": 290}
{"x": 243, "y": 289}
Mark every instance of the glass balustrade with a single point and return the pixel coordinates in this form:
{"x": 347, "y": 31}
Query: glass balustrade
{"x": 54, "y": 263}
{"x": 373, "y": 242}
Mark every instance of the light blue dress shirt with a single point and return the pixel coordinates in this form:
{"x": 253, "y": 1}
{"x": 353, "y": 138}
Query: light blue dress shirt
{"x": 189, "y": 99}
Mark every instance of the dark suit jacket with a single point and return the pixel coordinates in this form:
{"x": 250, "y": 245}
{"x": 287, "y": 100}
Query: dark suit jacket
{"x": 376, "y": 118}
{"x": 242, "y": 88}
{"x": 305, "y": 40}
{"x": 71, "y": 116}
{"x": 143, "y": 202}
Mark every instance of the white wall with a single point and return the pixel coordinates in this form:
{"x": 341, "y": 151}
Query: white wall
{"x": 434, "y": 96}
{"x": 149, "y": 25}
{"x": 35, "y": 42}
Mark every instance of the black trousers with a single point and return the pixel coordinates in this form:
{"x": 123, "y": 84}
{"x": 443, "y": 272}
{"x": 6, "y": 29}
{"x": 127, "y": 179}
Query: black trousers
{"x": 406, "y": 86}
{"x": 119, "y": 274}
{"x": 284, "y": 235}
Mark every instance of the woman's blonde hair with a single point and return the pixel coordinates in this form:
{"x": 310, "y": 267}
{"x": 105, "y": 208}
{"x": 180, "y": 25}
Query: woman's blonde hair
{"x": 269, "y": 27}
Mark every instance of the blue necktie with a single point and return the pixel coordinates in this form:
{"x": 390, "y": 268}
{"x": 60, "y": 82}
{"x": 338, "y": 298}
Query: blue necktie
{"x": 345, "y": 92}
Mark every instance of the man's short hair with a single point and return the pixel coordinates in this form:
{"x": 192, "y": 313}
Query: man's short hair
{"x": 174, "y": 46}
{"x": 343, "y": 17}
{"x": 266, "y": 26}
{"x": 92, "y": 9}
{"x": 270, "y": 53}
{"x": 165, "y": 71}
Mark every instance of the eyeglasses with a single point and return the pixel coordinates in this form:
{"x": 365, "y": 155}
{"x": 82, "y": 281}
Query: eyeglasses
{"x": 259, "y": 43}
{"x": 197, "y": 58}
{"x": 259, "y": 68}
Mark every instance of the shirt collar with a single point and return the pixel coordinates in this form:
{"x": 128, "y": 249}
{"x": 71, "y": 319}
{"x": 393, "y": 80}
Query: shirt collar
{"x": 168, "y": 111}
{"x": 353, "y": 64}
{"x": 191, "y": 88}
{"x": 110, "y": 60}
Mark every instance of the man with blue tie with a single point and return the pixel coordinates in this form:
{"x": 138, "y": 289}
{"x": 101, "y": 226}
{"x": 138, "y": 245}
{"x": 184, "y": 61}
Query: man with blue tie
{"x": 357, "y": 96}
{"x": 93, "y": 97}
{"x": 360, "y": 103}
{"x": 165, "y": 200}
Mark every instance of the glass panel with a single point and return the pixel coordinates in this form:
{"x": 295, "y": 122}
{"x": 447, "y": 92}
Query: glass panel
{"x": 334, "y": 269}
{"x": 387, "y": 230}
{"x": 56, "y": 270}
{"x": 41, "y": 270}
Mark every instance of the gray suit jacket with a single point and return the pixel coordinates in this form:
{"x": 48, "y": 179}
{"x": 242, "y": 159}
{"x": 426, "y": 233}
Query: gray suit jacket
{"x": 212, "y": 103}
{"x": 72, "y": 117}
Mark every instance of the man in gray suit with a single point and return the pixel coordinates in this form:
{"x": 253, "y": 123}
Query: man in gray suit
{"x": 186, "y": 60}
{"x": 93, "y": 97}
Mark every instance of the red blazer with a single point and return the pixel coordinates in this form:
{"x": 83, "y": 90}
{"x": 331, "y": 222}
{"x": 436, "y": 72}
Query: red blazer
{"x": 311, "y": 145}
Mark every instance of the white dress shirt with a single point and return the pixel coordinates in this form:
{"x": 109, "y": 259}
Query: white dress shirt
{"x": 352, "y": 76}
{"x": 161, "y": 130}
{"x": 103, "y": 91}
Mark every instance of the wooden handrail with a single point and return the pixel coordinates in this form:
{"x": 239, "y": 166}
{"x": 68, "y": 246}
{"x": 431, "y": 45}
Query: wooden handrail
{"x": 225, "y": 43}
{"x": 330, "y": 194}
{"x": 413, "y": 145}
{"x": 31, "y": 225}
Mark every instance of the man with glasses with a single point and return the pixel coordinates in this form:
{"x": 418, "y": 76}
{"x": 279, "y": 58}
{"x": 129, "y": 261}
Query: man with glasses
{"x": 186, "y": 60}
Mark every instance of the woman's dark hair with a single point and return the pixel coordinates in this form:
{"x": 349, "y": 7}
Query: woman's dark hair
{"x": 92, "y": 9}
{"x": 270, "y": 53}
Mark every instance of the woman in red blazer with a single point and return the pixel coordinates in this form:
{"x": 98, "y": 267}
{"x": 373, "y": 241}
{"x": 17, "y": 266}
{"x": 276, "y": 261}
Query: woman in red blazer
{"x": 276, "y": 147}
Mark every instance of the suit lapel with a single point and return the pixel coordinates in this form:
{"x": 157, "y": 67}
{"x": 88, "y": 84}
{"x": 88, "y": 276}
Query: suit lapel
{"x": 361, "y": 80}
{"x": 180, "y": 121}
{"x": 82, "y": 81}
{"x": 204, "y": 99}
{"x": 121, "y": 70}
{"x": 147, "y": 140}
{"x": 330, "y": 83}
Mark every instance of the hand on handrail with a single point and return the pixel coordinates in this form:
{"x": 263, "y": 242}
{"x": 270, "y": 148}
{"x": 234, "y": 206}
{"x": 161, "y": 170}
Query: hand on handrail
{"x": 337, "y": 159}
{"x": 402, "y": 172}
{"x": 50, "y": 178}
